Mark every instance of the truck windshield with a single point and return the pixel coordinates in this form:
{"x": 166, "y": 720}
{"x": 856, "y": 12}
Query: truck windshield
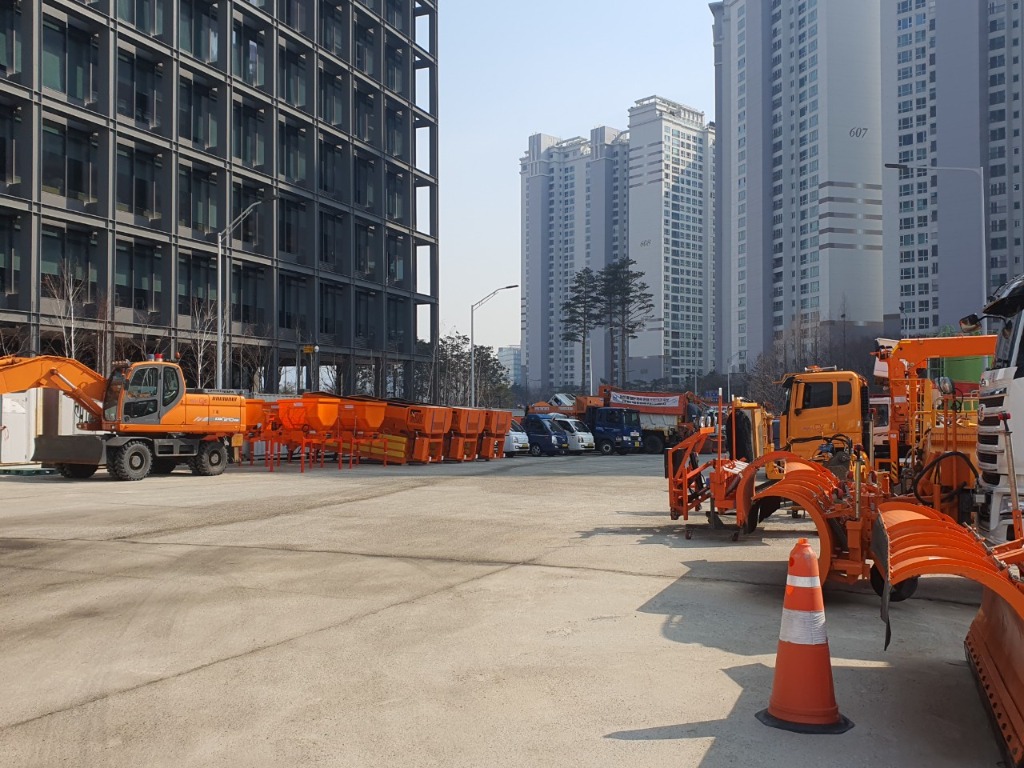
{"x": 565, "y": 426}
{"x": 578, "y": 426}
{"x": 632, "y": 419}
{"x": 1007, "y": 341}
{"x": 114, "y": 387}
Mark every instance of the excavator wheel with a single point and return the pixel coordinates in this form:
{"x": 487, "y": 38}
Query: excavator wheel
{"x": 77, "y": 471}
{"x": 164, "y": 466}
{"x": 900, "y": 592}
{"x": 132, "y": 461}
{"x": 211, "y": 460}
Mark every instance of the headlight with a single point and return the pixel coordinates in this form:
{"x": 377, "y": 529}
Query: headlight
{"x": 618, "y": 438}
{"x": 554, "y": 439}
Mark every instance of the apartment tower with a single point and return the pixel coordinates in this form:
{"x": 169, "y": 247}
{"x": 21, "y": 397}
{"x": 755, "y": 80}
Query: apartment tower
{"x": 799, "y": 169}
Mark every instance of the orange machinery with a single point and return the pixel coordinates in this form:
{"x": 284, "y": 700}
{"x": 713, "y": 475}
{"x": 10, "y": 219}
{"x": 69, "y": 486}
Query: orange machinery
{"x": 143, "y": 418}
{"x": 492, "y": 439}
{"x": 411, "y": 432}
{"x": 463, "y": 440}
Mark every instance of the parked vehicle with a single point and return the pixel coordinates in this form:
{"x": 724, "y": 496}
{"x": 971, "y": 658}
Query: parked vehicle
{"x": 580, "y": 438}
{"x": 615, "y": 430}
{"x": 665, "y": 417}
{"x": 545, "y": 436}
{"x": 516, "y": 441}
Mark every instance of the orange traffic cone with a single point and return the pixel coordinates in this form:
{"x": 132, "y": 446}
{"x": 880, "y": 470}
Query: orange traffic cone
{"x": 803, "y": 698}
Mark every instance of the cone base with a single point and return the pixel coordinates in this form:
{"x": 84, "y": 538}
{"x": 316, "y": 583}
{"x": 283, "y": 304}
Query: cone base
{"x": 842, "y": 725}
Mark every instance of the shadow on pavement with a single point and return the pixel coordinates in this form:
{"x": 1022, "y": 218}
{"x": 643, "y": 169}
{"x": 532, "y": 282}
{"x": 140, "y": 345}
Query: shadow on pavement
{"x": 930, "y": 724}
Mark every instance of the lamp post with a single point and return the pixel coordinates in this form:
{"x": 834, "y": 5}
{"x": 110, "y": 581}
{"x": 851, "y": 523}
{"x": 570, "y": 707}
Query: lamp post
{"x": 472, "y": 346}
{"x": 980, "y": 173}
{"x": 221, "y": 237}
{"x": 728, "y": 376}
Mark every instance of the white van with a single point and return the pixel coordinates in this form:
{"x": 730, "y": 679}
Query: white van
{"x": 580, "y": 438}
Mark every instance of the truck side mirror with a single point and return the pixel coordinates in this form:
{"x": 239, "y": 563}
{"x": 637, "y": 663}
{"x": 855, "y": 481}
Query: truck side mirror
{"x": 970, "y": 324}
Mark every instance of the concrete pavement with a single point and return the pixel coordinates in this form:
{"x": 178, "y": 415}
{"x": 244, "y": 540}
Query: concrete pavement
{"x": 518, "y": 612}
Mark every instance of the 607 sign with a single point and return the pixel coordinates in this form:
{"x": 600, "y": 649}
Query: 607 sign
{"x": 858, "y": 133}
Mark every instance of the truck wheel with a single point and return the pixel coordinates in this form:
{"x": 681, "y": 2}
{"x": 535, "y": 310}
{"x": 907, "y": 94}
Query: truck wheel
{"x": 900, "y": 592}
{"x": 622, "y": 451}
{"x": 132, "y": 461}
{"x": 77, "y": 471}
{"x": 605, "y": 447}
{"x": 211, "y": 460}
{"x": 535, "y": 450}
{"x": 654, "y": 444}
{"x": 164, "y": 466}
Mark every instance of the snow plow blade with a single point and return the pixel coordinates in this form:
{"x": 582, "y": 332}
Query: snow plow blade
{"x": 910, "y": 540}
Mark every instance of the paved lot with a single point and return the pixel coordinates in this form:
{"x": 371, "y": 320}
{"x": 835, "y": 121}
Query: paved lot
{"x": 525, "y": 612}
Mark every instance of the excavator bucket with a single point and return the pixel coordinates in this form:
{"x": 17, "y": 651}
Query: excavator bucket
{"x": 909, "y": 541}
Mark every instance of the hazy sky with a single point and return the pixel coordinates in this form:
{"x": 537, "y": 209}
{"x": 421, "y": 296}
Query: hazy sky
{"x": 561, "y": 67}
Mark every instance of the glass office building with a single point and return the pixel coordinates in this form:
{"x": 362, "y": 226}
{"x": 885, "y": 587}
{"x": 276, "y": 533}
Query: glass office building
{"x": 133, "y": 133}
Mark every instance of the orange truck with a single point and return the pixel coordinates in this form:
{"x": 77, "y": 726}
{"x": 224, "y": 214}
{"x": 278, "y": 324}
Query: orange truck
{"x": 141, "y": 418}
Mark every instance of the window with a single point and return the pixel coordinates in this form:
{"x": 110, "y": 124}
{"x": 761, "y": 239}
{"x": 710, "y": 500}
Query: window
{"x": 293, "y": 303}
{"x": 293, "y": 78}
{"x": 332, "y": 29}
{"x": 172, "y": 386}
{"x": 292, "y": 160}
{"x": 248, "y": 55}
{"x": 333, "y": 179}
{"x": 249, "y": 231}
{"x": 10, "y": 259}
{"x": 332, "y": 240}
{"x": 197, "y": 285}
{"x": 249, "y": 142}
{"x": 364, "y": 48}
{"x": 365, "y": 182}
{"x": 145, "y": 15}
{"x": 332, "y": 309}
{"x": 138, "y": 278}
{"x": 248, "y": 294}
{"x": 68, "y": 265}
{"x": 8, "y": 155}
{"x": 70, "y": 61}
{"x": 290, "y": 233}
{"x": 395, "y": 143}
{"x": 395, "y": 68}
{"x": 397, "y": 260}
{"x": 366, "y": 252}
{"x": 69, "y": 162}
{"x": 817, "y": 395}
{"x": 365, "y": 116}
{"x": 198, "y": 199}
{"x": 395, "y": 195}
{"x": 294, "y": 13}
{"x": 844, "y": 392}
{"x": 197, "y": 29}
{"x": 332, "y": 99}
{"x": 10, "y": 41}
{"x": 138, "y": 89}
{"x": 198, "y": 114}
{"x": 137, "y": 189}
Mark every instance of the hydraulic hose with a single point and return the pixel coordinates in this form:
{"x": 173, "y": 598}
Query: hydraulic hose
{"x": 933, "y": 464}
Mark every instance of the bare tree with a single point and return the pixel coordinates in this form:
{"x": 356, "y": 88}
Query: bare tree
{"x": 202, "y": 344}
{"x": 252, "y": 358}
{"x": 13, "y": 341}
{"x": 68, "y": 294}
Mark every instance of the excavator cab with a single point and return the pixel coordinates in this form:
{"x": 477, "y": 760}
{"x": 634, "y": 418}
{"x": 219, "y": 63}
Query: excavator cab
{"x": 142, "y": 393}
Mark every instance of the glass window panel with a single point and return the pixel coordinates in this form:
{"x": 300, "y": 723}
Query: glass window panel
{"x": 53, "y": 158}
{"x": 54, "y": 56}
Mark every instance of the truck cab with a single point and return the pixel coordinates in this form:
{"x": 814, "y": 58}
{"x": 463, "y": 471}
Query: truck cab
{"x": 821, "y": 404}
{"x": 615, "y": 430}
{"x": 546, "y": 437}
{"x": 580, "y": 437}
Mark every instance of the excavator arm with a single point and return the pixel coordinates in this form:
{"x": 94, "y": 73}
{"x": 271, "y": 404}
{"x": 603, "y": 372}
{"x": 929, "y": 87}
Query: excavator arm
{"x": 76, "y": 380}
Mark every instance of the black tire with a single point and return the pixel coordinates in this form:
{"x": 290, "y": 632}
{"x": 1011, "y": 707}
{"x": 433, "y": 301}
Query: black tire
{"x": 535, "y": 450}
{"x": 211, "y": 460}
{"x": 605, "y": 447}
{"x": 654, "y": 444}
{"x": 164, "y": 466}
{"x": 132, "y": 461}
{"x": 77, "y": 471}
{"x": 900, "y": 592}
{"x": 622, "y": 451}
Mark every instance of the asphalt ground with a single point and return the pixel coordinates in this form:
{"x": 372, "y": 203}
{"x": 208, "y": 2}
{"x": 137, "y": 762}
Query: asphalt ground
{"x": 522, "y": 612}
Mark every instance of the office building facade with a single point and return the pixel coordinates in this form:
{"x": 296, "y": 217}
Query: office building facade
{"x": 645, "y": 194}
{"x": 799, "y": 199}
{"x": 132, "y": 132}
{"x": 952, "y": 113}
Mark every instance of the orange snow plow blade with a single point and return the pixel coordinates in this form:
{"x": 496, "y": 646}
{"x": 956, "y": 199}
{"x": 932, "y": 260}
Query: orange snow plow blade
{"x": 909, "y": 540}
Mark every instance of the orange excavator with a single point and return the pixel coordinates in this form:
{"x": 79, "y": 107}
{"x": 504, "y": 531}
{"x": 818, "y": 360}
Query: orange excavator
{"x": 141, "y": 420}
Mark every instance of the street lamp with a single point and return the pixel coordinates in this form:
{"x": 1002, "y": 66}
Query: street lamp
{"x": 221, "y": 237}
{"x": 728, "y": 375}
{"x": 472, "y": 347}
{"x": 980, "y": 173}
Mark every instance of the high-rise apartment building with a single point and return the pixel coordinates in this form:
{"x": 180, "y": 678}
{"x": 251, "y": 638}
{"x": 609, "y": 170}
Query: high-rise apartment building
{"x": 799, "y": 166}
{"x": 132, "y": 132}
{"x": 644, "y": 194}
{"x": 511, "y": 359}
{"x": 951, "y": 93}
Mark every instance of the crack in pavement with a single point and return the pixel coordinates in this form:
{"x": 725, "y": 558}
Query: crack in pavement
{"x": 252, "y": 651}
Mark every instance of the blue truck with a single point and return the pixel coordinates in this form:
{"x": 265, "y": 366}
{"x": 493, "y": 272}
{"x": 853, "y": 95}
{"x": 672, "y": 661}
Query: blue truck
{"x": 615, "y": 430}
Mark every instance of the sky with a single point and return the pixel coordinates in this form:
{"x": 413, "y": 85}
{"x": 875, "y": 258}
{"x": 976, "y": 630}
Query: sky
{"x": 560, "y": 67}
